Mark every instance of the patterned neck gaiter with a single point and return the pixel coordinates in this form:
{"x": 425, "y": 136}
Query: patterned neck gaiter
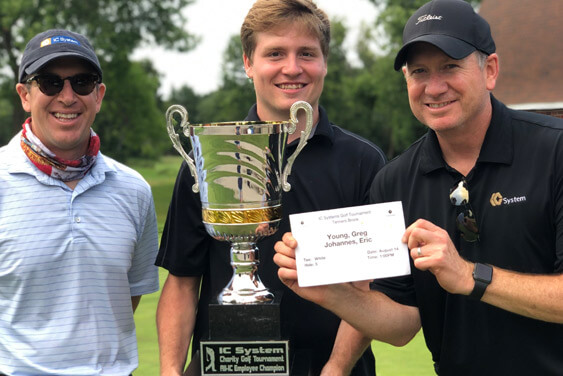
{"x": 49, "y": 163}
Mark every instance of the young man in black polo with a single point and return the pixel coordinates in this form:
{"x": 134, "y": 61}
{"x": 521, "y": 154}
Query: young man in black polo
{"x": 286, "y": 46}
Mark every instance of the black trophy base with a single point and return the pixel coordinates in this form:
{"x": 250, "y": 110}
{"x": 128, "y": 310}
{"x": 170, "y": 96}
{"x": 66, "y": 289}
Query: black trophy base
{"x": 248, "y": 322}
{"x": 247, "y": 339}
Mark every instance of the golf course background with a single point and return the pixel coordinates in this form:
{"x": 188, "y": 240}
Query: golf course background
{"x": 413, "y": 359}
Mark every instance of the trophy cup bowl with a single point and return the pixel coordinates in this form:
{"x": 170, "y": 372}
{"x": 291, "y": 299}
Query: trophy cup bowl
{"x": 239, "y": 174}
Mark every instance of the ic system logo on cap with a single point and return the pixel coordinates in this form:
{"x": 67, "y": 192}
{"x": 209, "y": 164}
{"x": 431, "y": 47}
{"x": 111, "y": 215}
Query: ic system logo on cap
{"x": 59, "y": 39}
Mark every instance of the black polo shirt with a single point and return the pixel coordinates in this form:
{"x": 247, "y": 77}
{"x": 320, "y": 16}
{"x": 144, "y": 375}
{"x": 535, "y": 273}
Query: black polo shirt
{"x": 334, "y": 170}
{"x": 515, "y": 190}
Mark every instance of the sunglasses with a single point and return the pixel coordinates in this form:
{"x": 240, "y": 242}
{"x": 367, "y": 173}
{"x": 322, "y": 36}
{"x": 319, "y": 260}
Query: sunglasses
{"x": 465, "y": 219}
{"x": 51, "y": 84}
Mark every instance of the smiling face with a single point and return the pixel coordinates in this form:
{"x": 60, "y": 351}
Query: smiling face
{"x": 287, "y": 66}
{"x": 447, "y": 94}
{"x": 62, "y": 122}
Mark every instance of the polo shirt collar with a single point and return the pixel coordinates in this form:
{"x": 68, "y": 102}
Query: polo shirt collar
{"x": 103, "y": 166}
{"x": 322, "y": 129}
{"x": 497, "y": 147}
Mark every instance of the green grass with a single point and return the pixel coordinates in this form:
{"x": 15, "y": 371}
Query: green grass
{"x": 413, "y": 359}
{"x": 161, "y": 175}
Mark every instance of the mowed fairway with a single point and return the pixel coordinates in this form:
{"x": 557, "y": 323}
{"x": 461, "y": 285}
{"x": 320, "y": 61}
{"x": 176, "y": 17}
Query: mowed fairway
{"x": 413, "y": 359}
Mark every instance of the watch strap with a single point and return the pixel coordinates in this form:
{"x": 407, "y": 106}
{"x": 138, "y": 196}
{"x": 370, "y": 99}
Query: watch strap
{"x": 482, "y": 275}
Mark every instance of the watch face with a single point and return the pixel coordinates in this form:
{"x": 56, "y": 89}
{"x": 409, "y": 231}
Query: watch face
{"x": 483, "y": 273}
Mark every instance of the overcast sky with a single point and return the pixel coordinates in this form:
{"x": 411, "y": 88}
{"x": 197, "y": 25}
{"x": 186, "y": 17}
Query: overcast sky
{"x": 215, "y": 21}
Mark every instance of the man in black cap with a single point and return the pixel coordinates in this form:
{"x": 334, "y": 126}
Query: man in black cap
{"x": 78, "y": 233}
{"x": 482, "y": 194}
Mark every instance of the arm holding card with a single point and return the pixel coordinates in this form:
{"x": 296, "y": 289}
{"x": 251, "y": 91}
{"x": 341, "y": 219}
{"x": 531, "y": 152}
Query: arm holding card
{"x": 370, "y": 312}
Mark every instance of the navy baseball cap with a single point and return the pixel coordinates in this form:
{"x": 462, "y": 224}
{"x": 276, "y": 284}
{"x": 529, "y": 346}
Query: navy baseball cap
{"x": 53, "y": 44}
{"x": 451, "y": 25}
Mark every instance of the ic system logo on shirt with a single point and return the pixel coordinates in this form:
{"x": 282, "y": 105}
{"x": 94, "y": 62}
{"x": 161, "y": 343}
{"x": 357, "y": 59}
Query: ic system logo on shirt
{"x": 497, "y": 199}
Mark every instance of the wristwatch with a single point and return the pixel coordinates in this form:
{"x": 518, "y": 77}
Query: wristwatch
{"x": 483, "y": 275}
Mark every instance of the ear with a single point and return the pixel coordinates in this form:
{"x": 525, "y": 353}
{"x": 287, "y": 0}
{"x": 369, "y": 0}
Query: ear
{"x": 24, "y": 94}
{"x": 491, "y": 71}
{"x": 247, "y": 66}
{"x": 100, "y": 92}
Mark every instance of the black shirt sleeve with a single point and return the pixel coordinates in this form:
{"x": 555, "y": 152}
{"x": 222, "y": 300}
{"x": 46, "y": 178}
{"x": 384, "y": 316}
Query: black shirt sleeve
{"x": 184, "y": 243}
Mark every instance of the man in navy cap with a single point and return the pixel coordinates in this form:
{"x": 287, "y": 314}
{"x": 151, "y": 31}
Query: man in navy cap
{"x": 482, "y": 194}
{"x": 78, "y": 233}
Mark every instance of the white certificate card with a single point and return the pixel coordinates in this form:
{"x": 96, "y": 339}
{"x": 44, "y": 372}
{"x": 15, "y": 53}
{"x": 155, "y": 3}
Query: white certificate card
{"x": 350, "y": 244}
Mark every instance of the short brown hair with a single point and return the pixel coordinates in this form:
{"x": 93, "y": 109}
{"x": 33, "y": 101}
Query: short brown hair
{"x": 268, "y": 14}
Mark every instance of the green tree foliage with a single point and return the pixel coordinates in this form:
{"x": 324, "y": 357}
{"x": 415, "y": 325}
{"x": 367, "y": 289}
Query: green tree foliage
{"x": 131, "y": 122}
{"x": 369, "y": 99}
{"x": 131, "y": 113}
{"x": 186, "y": 97}
{"x": 236, "y": 93}
{"x": 6, "y": 105}
{"x": 339, "y": 97}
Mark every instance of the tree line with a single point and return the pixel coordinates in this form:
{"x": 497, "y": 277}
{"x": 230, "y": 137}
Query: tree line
{"x": 368, "y": 97}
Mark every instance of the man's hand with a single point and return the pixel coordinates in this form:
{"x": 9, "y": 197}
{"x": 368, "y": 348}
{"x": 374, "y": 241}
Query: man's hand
{"x": 432, "y": 249}
{"x": 285, "y": 259}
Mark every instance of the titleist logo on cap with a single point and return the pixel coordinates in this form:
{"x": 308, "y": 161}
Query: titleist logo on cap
{"x": 427, "y": 17}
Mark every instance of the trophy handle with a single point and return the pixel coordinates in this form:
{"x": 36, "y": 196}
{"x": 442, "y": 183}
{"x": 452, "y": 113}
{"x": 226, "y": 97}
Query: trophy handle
{"x": 300, "y": 105}
{"x": 176, "y": 108}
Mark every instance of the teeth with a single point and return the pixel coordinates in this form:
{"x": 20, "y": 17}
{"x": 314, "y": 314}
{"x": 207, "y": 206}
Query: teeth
{"x": 291, "y": 86}
{"x": 58, "y": 115}
{"x": 438, "y": 105}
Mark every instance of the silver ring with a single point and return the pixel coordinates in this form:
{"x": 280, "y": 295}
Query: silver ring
{"x": 418, "y": 252}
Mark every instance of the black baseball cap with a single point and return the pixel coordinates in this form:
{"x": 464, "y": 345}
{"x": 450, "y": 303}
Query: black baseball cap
{"x": 451, "y": 25}
{"x": 53, "y": 44}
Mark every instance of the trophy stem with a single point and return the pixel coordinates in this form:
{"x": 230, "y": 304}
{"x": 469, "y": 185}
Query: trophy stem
{"x": 245, "y": 287}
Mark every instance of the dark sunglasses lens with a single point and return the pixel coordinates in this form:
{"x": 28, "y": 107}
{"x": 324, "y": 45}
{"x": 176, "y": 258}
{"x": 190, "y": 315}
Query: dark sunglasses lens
{"x": 83, "y": 84}
{"x": 50, "y": 85}
{"x": 467, "y": 224}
